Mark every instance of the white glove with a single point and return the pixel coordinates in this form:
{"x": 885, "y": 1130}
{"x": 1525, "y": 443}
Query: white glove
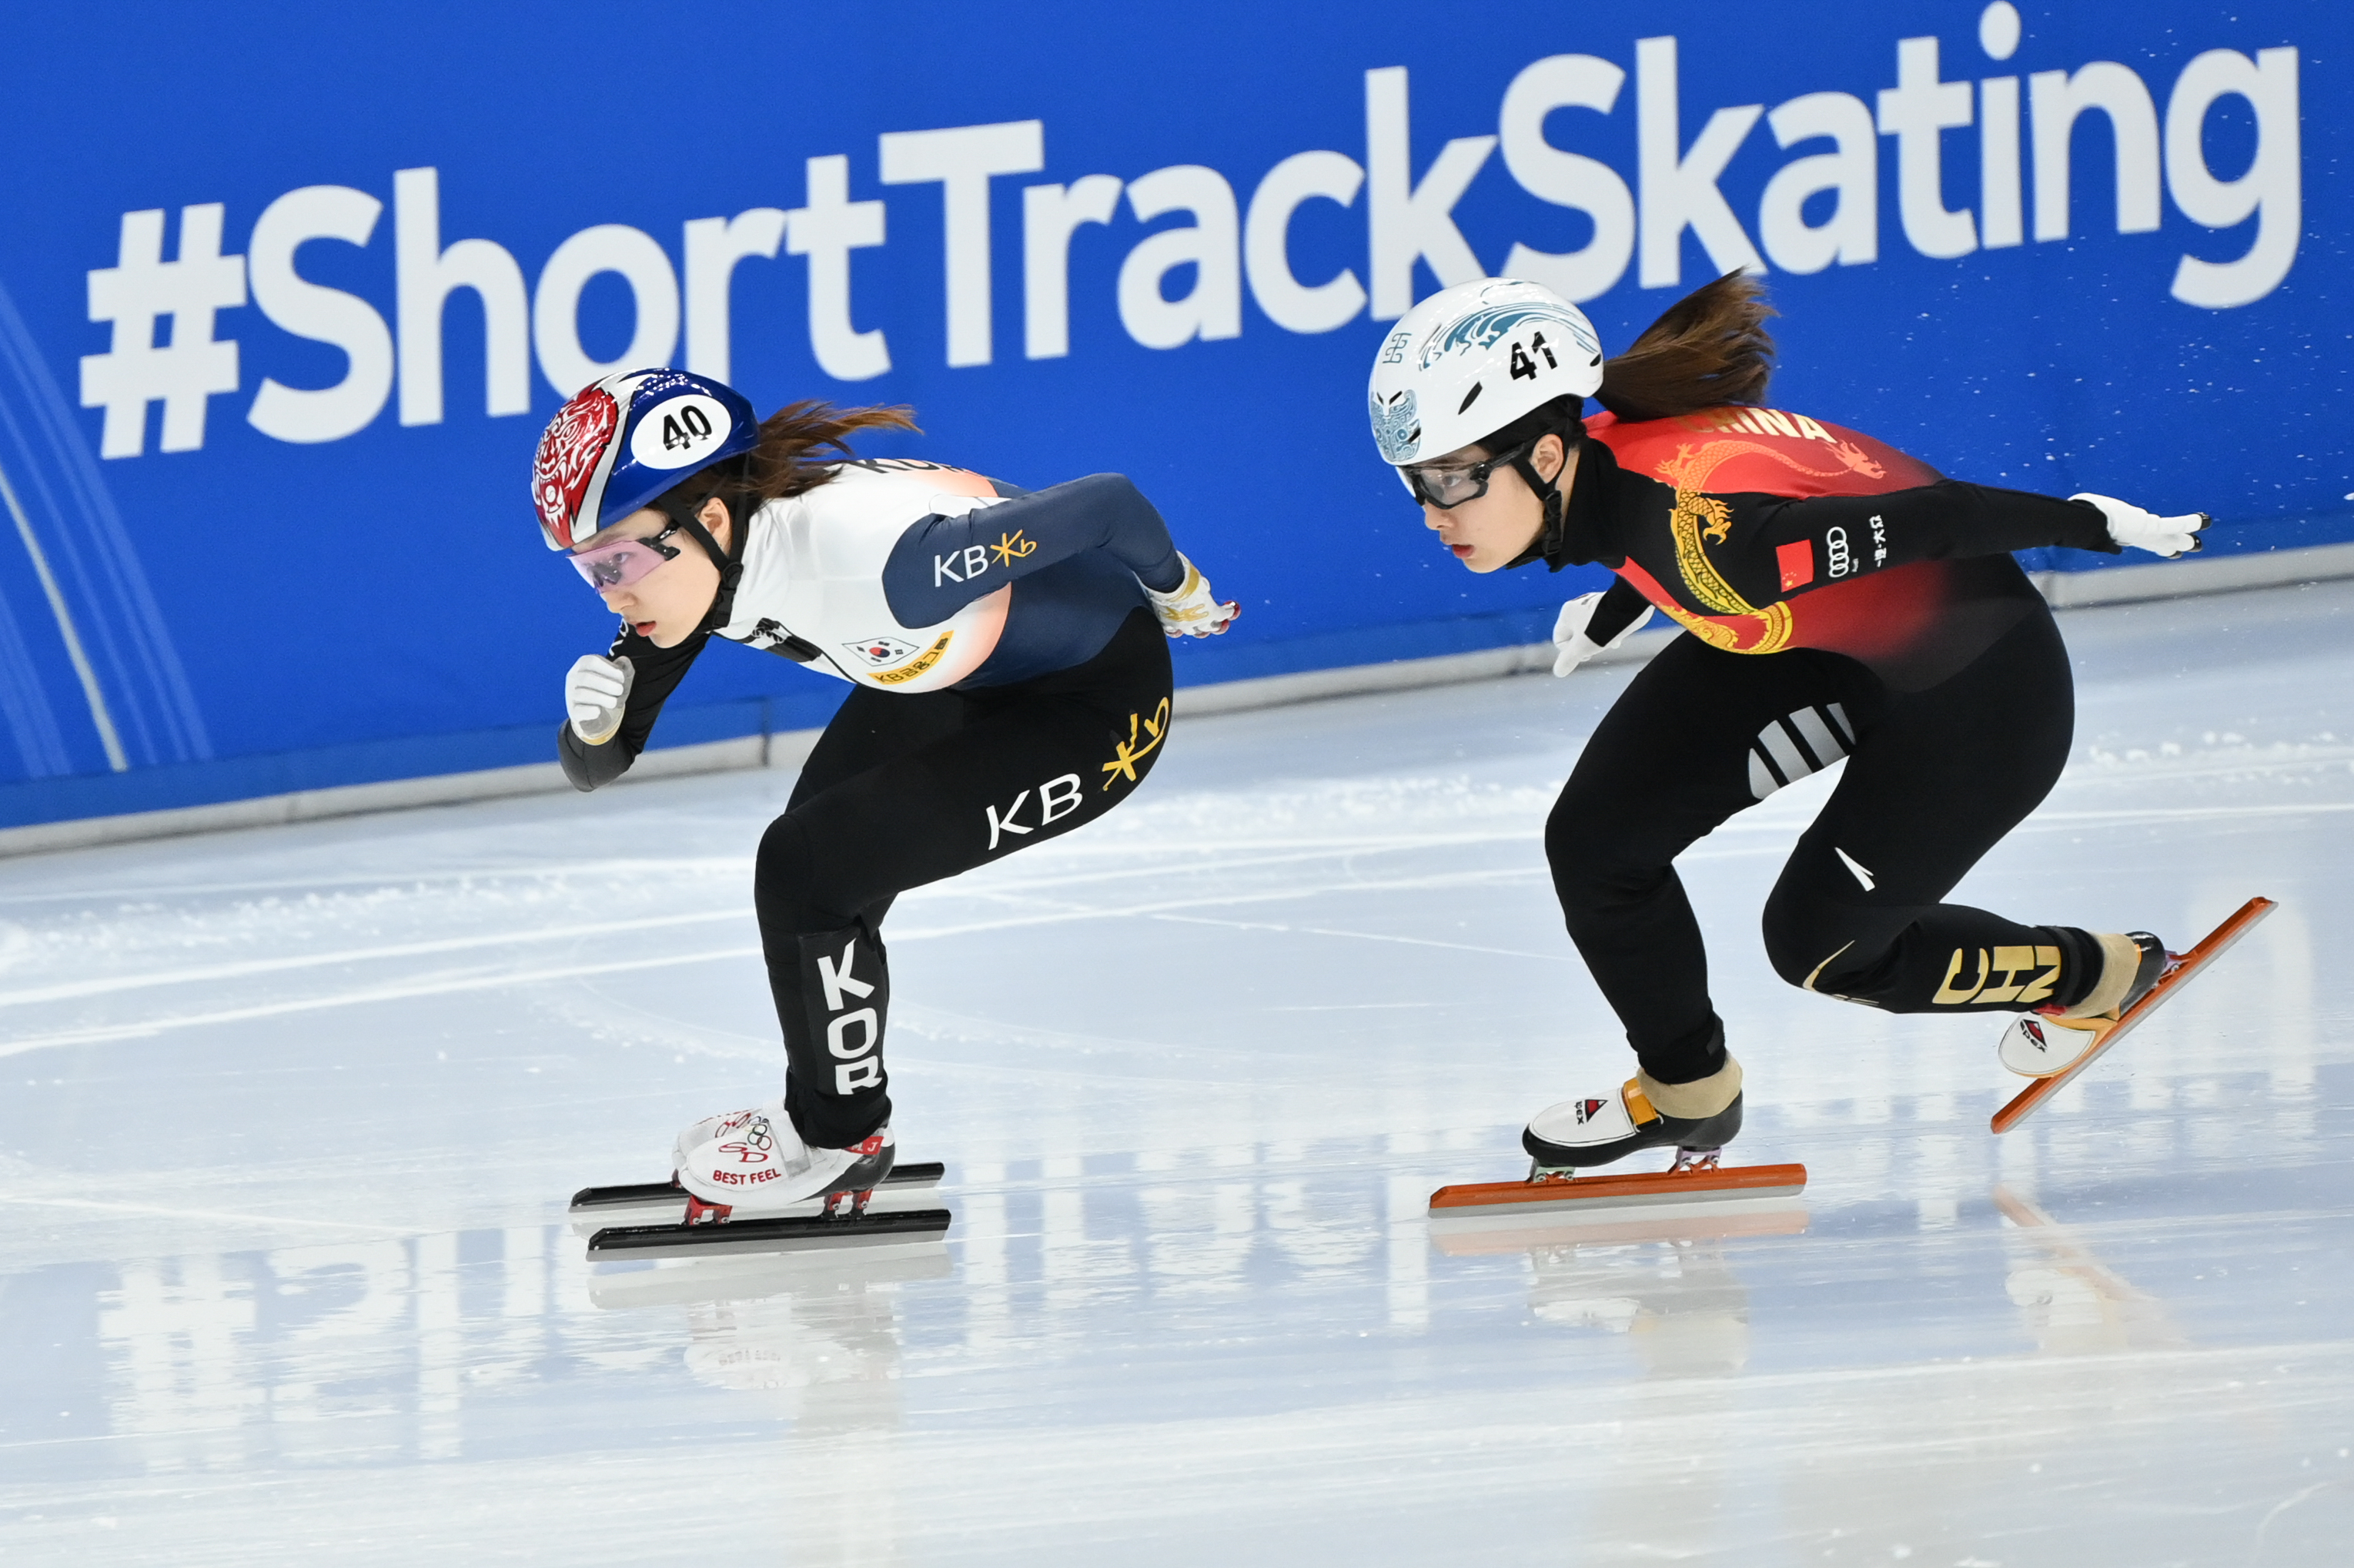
{"x": 1192, "y": 611}
{"x": 2129, "y": 525}
{"x": 1569, "y": 633}
{"x": 595, "y": 691}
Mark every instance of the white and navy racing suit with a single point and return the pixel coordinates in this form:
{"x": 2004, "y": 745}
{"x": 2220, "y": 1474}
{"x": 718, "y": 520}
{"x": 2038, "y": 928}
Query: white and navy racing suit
{"x": 1011, "y": 684}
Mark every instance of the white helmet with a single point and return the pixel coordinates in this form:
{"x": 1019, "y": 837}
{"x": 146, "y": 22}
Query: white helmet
{"x": 1471, "y": 359}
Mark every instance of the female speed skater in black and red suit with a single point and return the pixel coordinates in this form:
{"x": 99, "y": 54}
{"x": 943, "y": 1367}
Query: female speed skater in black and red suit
{"x": 1842, "y": 599}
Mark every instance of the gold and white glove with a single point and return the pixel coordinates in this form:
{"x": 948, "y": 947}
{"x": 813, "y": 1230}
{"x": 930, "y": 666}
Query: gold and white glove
{"x": 596, "y": 690}
{"x": 2129, "y": 525}
{"x": 1572, "y": 646}
{"x": 1192, "y": 611}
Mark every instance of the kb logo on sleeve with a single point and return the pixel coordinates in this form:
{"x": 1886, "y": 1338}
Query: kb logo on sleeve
{"x": 964, "y": 566}
{"x": 960, "y": 565}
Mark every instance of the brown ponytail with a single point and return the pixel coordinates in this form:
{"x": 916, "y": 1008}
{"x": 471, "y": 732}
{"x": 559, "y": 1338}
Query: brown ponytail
{"x": 1708, "y": 348}
{"x": 789, "y": 458}
{"x": 787, "y": 461}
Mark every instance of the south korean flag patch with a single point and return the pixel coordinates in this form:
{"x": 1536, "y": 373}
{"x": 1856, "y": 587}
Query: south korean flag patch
{"x": 878, "y": 652}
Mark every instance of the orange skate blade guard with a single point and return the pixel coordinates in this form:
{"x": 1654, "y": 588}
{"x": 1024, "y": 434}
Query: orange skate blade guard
{"x": 2212, "y": 946}
{"x": 1658, "y": 1189}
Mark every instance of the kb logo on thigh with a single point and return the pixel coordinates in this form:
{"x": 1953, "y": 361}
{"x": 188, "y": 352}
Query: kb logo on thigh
{"x": 1058, "y": 799}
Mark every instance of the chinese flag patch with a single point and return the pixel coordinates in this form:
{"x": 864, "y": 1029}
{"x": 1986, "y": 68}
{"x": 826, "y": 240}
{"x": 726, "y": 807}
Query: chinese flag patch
{"x": 1797, "y": 563}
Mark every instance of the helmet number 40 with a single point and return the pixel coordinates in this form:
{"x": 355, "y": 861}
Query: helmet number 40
{"x": 686, "y": 428}
{"x": 678, "y": 431}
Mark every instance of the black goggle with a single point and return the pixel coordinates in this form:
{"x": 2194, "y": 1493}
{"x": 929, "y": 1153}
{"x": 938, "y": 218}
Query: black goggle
{"x": 1448, "y": 486}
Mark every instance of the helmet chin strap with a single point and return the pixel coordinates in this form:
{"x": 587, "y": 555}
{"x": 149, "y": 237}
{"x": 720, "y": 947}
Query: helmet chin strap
{"x": 1548, "y": 546}
{"x": 729, "y": 561}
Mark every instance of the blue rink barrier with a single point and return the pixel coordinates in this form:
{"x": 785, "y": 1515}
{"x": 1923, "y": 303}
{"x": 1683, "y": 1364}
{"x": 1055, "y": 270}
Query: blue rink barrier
{"x": 277, "y": 329}
{"x": 1200, "y": 663}
{"x": 176, "y": 785}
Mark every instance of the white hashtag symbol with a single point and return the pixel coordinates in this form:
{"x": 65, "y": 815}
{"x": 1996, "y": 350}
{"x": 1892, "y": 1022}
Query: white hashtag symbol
{"x": 131, "y": 293}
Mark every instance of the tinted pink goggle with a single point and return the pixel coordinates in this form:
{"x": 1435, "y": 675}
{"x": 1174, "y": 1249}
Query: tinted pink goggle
{"x": 624, "y": 561}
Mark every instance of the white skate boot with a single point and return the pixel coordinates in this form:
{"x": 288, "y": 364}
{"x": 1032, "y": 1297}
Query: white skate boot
{"x": 2051, "y": 1040}
{"x": 752, "y": 1163}
{"x": 1698, "y": 1118}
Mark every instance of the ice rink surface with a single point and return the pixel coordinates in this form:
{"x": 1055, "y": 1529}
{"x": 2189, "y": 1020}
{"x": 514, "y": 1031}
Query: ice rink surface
{"x": 292, "y": 1116}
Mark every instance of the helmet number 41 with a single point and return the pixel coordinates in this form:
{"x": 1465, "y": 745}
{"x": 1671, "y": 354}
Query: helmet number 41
{"x": 1525, "y": 368}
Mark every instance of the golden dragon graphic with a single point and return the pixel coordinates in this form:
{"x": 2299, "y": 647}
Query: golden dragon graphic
{"x": 1700, "y": 520}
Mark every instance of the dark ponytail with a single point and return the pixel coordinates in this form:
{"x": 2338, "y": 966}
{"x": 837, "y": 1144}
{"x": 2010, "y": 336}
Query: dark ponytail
{"x": 1708, "y": 348}
{"x": 789, "y": 459}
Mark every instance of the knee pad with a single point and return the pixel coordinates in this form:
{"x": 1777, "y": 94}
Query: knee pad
{"x": 784, "y": 882}
{"x": 1808, "y": 938}
{"x": 1593, "y": 868}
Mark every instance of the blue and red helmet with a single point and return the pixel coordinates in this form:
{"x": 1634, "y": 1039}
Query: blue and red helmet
{"x": 625, "y": 439}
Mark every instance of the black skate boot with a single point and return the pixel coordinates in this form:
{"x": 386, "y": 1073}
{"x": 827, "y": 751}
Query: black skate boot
{"x": 1578, "y": 1135}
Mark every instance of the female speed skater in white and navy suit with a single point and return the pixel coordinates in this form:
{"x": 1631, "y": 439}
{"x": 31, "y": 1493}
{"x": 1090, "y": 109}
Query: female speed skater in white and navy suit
{"x": 1010, "y": 681}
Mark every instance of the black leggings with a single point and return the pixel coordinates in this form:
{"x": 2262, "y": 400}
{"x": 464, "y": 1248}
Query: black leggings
{"x": 905, "y": 789}
{"x": 1933, "y": 779}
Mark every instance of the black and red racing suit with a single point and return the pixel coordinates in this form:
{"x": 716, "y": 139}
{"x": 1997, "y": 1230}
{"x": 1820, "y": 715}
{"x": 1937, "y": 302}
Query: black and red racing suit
{"x": 1843, "y": 600}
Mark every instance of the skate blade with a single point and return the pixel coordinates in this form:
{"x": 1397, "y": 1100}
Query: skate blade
{"x": 760, "y": 1276}
{"x": 1620, "y": 1201}
{"x": 915, "y": 1227}
{"x": 2210, "y": 947}
{"x": 661, "y": 1203}
{"x": 2037, "y": 1047}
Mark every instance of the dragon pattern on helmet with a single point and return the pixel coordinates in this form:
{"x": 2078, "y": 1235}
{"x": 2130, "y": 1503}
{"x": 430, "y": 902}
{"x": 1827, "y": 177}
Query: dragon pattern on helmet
{"x": 624, "y": 440}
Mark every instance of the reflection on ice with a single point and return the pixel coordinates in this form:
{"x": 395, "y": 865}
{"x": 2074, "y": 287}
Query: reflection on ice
{"x": 1782, "y": 1216}
{"x": 838, "y": 1352}
{"x": 2071, "y": 1302}
{"x": 175, "y": 1376}
{"x": 330, "y": 1352}
{"x": 1666, "y": 1280}
{"x": 727, "y": 1281}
